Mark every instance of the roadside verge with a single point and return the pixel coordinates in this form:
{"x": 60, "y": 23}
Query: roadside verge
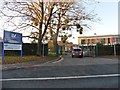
{"x": 29, "y": 64}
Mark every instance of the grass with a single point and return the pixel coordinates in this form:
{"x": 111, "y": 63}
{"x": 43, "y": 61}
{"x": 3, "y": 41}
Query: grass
{"x": 51, "y": 53}
{"x": 16, "y": 59}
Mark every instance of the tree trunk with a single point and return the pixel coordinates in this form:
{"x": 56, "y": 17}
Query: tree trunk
{"x": 39, "y": 47}
{"x": 55, "y": 44}
{"x": 56, "y": 36}
{"x": 39, "y": 44}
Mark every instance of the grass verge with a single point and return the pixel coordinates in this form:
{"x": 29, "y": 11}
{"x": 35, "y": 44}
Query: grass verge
{"x": 16, "y": 59}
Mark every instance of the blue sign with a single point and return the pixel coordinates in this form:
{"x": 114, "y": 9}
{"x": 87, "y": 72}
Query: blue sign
{"x": 12, "y": 37}
{"x": 11, "y": 41}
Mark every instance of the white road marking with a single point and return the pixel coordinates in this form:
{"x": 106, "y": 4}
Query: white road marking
{"x": 37, "y": 65}
{"x": 48, "y": 62}
{"x": 58, "y": 61}
{"x": 61, "y": 78}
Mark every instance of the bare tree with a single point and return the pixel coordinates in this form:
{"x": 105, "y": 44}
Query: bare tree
{"x": 57, "y": 21}
{"x": 35, "y": 15}
{"x": 68, "y": 15}
{"x": 40, "y": 17}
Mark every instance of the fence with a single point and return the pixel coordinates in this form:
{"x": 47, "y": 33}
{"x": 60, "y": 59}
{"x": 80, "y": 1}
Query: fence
{"x": 102, "y": 50}
{"x": 27, "y": 49}
{"x": 31, "y": 49}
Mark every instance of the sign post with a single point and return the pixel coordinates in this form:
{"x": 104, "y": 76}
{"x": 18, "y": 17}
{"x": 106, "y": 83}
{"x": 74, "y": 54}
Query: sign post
{"x": 12, "y": 41}
{"x": 44, "y": 42}
{"x": 2, "y": 51}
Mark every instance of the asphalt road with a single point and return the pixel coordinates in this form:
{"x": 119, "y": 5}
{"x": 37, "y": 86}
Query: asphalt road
{"x": 109, "y": 82}
{"x": 66, "y": 73}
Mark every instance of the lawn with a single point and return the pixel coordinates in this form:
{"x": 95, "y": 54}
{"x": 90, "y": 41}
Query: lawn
{"x": 16, "y": 59}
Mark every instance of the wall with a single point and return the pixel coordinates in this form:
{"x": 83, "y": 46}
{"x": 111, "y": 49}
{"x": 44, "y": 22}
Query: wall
{"x": 112, "y": 39}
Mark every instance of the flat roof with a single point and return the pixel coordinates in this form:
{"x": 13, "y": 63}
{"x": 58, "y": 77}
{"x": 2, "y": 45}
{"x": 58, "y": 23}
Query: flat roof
{"x": 98, "y": 36}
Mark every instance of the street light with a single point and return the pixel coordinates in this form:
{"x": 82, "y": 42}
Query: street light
{"x": 96, "y": 44}
{"x": 115, "y": 47}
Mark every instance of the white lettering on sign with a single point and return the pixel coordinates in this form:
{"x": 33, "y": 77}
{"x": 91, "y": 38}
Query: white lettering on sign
{"x": 12, "y": 46}
{"x": 13, "y": 35}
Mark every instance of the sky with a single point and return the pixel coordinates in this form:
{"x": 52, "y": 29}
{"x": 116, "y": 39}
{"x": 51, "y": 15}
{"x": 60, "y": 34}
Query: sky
{"x": 107, "y": 11}
{"x": 119, "y": 18}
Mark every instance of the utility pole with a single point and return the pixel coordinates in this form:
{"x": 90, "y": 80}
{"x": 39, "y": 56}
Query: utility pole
{"x": 115, "y": 48}
{"x": 96, "y": 44}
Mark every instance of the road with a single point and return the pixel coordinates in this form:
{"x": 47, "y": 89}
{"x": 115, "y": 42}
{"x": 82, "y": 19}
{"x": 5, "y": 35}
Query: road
{"x": 87, "y": 72}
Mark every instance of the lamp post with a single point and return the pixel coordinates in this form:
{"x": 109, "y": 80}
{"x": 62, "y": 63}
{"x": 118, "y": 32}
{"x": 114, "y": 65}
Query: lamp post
{"x": 115, "y": 48}
{"x": 96, "y": 44}
{"x": 93, "y": 51}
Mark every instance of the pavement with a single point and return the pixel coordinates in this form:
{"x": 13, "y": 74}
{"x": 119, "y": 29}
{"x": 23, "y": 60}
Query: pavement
{"x": 111, "y": 56}
{"x": 28, "y": 64}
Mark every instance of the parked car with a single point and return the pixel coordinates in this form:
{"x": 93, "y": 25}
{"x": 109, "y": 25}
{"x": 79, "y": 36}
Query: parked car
{"x": 77, "y": 52}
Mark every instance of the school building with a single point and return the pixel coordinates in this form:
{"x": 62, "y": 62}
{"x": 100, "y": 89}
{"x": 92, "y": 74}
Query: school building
{"x": 93, "y": 40}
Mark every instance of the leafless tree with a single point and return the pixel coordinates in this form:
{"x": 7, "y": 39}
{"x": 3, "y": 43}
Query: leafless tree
{"x": 34, "y": 14}
{"x": 70, "y": 14}
{"x": 39, "y": 17}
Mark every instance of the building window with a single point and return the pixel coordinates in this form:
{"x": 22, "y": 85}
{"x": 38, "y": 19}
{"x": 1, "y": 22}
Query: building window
{"x": 88, "y": 41}
{"x": 113, "y": 40}
{"x": 96, "y": 40}
{"x": 82, "y": 41}
{"x": 92, "y": 41}
{"x": 102, "y": 40}
{"x": 108, "y": 40}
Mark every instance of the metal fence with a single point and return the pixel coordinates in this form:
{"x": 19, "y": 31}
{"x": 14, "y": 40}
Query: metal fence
{"x": 101, "y": 50}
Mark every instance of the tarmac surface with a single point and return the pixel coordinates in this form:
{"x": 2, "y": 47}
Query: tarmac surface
{"x": 43, "y": 62}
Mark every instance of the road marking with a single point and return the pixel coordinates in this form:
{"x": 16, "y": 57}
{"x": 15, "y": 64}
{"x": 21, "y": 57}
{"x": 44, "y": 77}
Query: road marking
{"x": 61, "y": 78}
{"x": 49, "y": 62}
{"x": 58, "y": 61}
{"x": 37, "y": 65}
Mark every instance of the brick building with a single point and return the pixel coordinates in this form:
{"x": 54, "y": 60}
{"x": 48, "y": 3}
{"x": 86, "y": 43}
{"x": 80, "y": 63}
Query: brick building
{"x": 92, "y": 40}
